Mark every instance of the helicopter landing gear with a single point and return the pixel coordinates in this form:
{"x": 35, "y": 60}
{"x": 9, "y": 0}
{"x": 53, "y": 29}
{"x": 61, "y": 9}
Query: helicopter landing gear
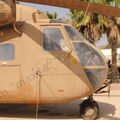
{"x": 89, "y": 109}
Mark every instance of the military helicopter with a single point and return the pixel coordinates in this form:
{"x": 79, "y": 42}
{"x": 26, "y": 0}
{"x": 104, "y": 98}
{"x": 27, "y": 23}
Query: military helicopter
{"x": 46, "y": 61}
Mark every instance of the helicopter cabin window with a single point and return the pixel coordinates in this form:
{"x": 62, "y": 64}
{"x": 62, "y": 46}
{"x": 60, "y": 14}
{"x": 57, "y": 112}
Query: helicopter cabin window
{"x": 53, "y": 40}
{"x": 73, "y": 34}
{"x": 7, "y": 52}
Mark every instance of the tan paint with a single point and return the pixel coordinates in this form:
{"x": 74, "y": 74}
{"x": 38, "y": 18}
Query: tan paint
{"x": 54, "y": 77}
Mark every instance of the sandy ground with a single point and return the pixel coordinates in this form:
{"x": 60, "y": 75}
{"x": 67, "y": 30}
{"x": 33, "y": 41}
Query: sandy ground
{"x": 109, "y": 109}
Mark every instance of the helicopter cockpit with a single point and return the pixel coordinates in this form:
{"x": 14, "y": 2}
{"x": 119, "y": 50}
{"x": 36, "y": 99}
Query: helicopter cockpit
{"x": 87, "y": 54}
{"x": 90, "y": 58}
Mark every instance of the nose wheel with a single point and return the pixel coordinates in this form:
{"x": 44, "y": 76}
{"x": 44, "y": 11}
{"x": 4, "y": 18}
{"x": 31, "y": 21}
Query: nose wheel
{"x": 89, "y": 109}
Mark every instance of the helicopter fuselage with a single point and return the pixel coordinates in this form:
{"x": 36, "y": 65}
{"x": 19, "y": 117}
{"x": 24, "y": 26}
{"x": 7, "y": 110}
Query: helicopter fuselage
{"x": 44, "y": 64}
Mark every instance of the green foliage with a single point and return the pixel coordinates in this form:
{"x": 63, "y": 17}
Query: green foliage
{"x": 51, "y": 15}
{"x": 93, "y": 25}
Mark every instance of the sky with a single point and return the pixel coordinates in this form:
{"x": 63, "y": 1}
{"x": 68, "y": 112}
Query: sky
{"x": 62, "y": 12}
{"x": 103, "y": 41}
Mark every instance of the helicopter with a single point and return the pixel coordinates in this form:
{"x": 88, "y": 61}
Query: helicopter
{"x": 45, "y": 61}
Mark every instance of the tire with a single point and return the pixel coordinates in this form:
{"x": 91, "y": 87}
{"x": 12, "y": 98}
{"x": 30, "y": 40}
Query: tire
{"x": 89, "y": 110}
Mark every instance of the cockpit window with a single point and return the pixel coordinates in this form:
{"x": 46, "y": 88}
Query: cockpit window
{"x": 87, "y": 55}
{"x": 53, "y": 40}
{"x": 73, "y": 34}
{"x": 93, "y": 63}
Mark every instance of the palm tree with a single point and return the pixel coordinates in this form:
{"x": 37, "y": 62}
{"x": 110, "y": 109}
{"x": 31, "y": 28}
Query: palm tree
{"x": 113, "y": 34}
{"x": 52, "y": 15}
{"x": 88, "y": 25}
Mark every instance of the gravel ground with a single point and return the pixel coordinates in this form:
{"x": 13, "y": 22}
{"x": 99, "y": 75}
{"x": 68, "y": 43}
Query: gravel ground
{"x": 109, "y": 109}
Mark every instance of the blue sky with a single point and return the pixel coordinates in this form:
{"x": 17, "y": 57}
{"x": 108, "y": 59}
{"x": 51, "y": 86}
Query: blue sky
{"x": 103, "y": 41}
{"x": 62, "y": 12}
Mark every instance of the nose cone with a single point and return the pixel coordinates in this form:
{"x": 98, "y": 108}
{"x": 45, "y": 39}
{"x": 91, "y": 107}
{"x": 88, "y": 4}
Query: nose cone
{"x": 93, "y": 62}
{"x": 79, "y": 85}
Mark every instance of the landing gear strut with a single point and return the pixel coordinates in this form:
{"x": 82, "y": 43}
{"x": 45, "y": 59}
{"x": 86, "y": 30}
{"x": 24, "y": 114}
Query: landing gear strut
{"x": 89, "y": 109}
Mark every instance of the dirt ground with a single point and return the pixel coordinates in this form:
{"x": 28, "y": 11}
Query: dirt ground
{"x": 109, "y": 109}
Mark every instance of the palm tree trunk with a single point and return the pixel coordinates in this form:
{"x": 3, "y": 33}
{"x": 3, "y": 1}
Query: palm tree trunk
{"x": 114, "y": 69}
{"x": 113, "y": 40}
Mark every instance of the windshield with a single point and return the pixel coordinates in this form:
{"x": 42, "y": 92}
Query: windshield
{"x": 87, "y": 55}
{"x": 93, "y": 63}
{"x": 53, "y": 40}
{"x": 73, "y": 34}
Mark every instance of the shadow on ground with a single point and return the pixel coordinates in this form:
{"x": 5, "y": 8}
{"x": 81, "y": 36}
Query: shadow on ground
{"x": 107, "y": 111}
{"x": 61, "y": 111}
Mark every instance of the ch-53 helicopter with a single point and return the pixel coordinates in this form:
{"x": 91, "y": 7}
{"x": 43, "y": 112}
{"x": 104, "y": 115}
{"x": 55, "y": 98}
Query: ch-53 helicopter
{"x": 46, "y": 61}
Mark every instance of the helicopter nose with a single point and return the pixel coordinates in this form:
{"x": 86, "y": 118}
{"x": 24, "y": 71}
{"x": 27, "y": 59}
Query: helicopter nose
{"x": 93, "y": 62}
